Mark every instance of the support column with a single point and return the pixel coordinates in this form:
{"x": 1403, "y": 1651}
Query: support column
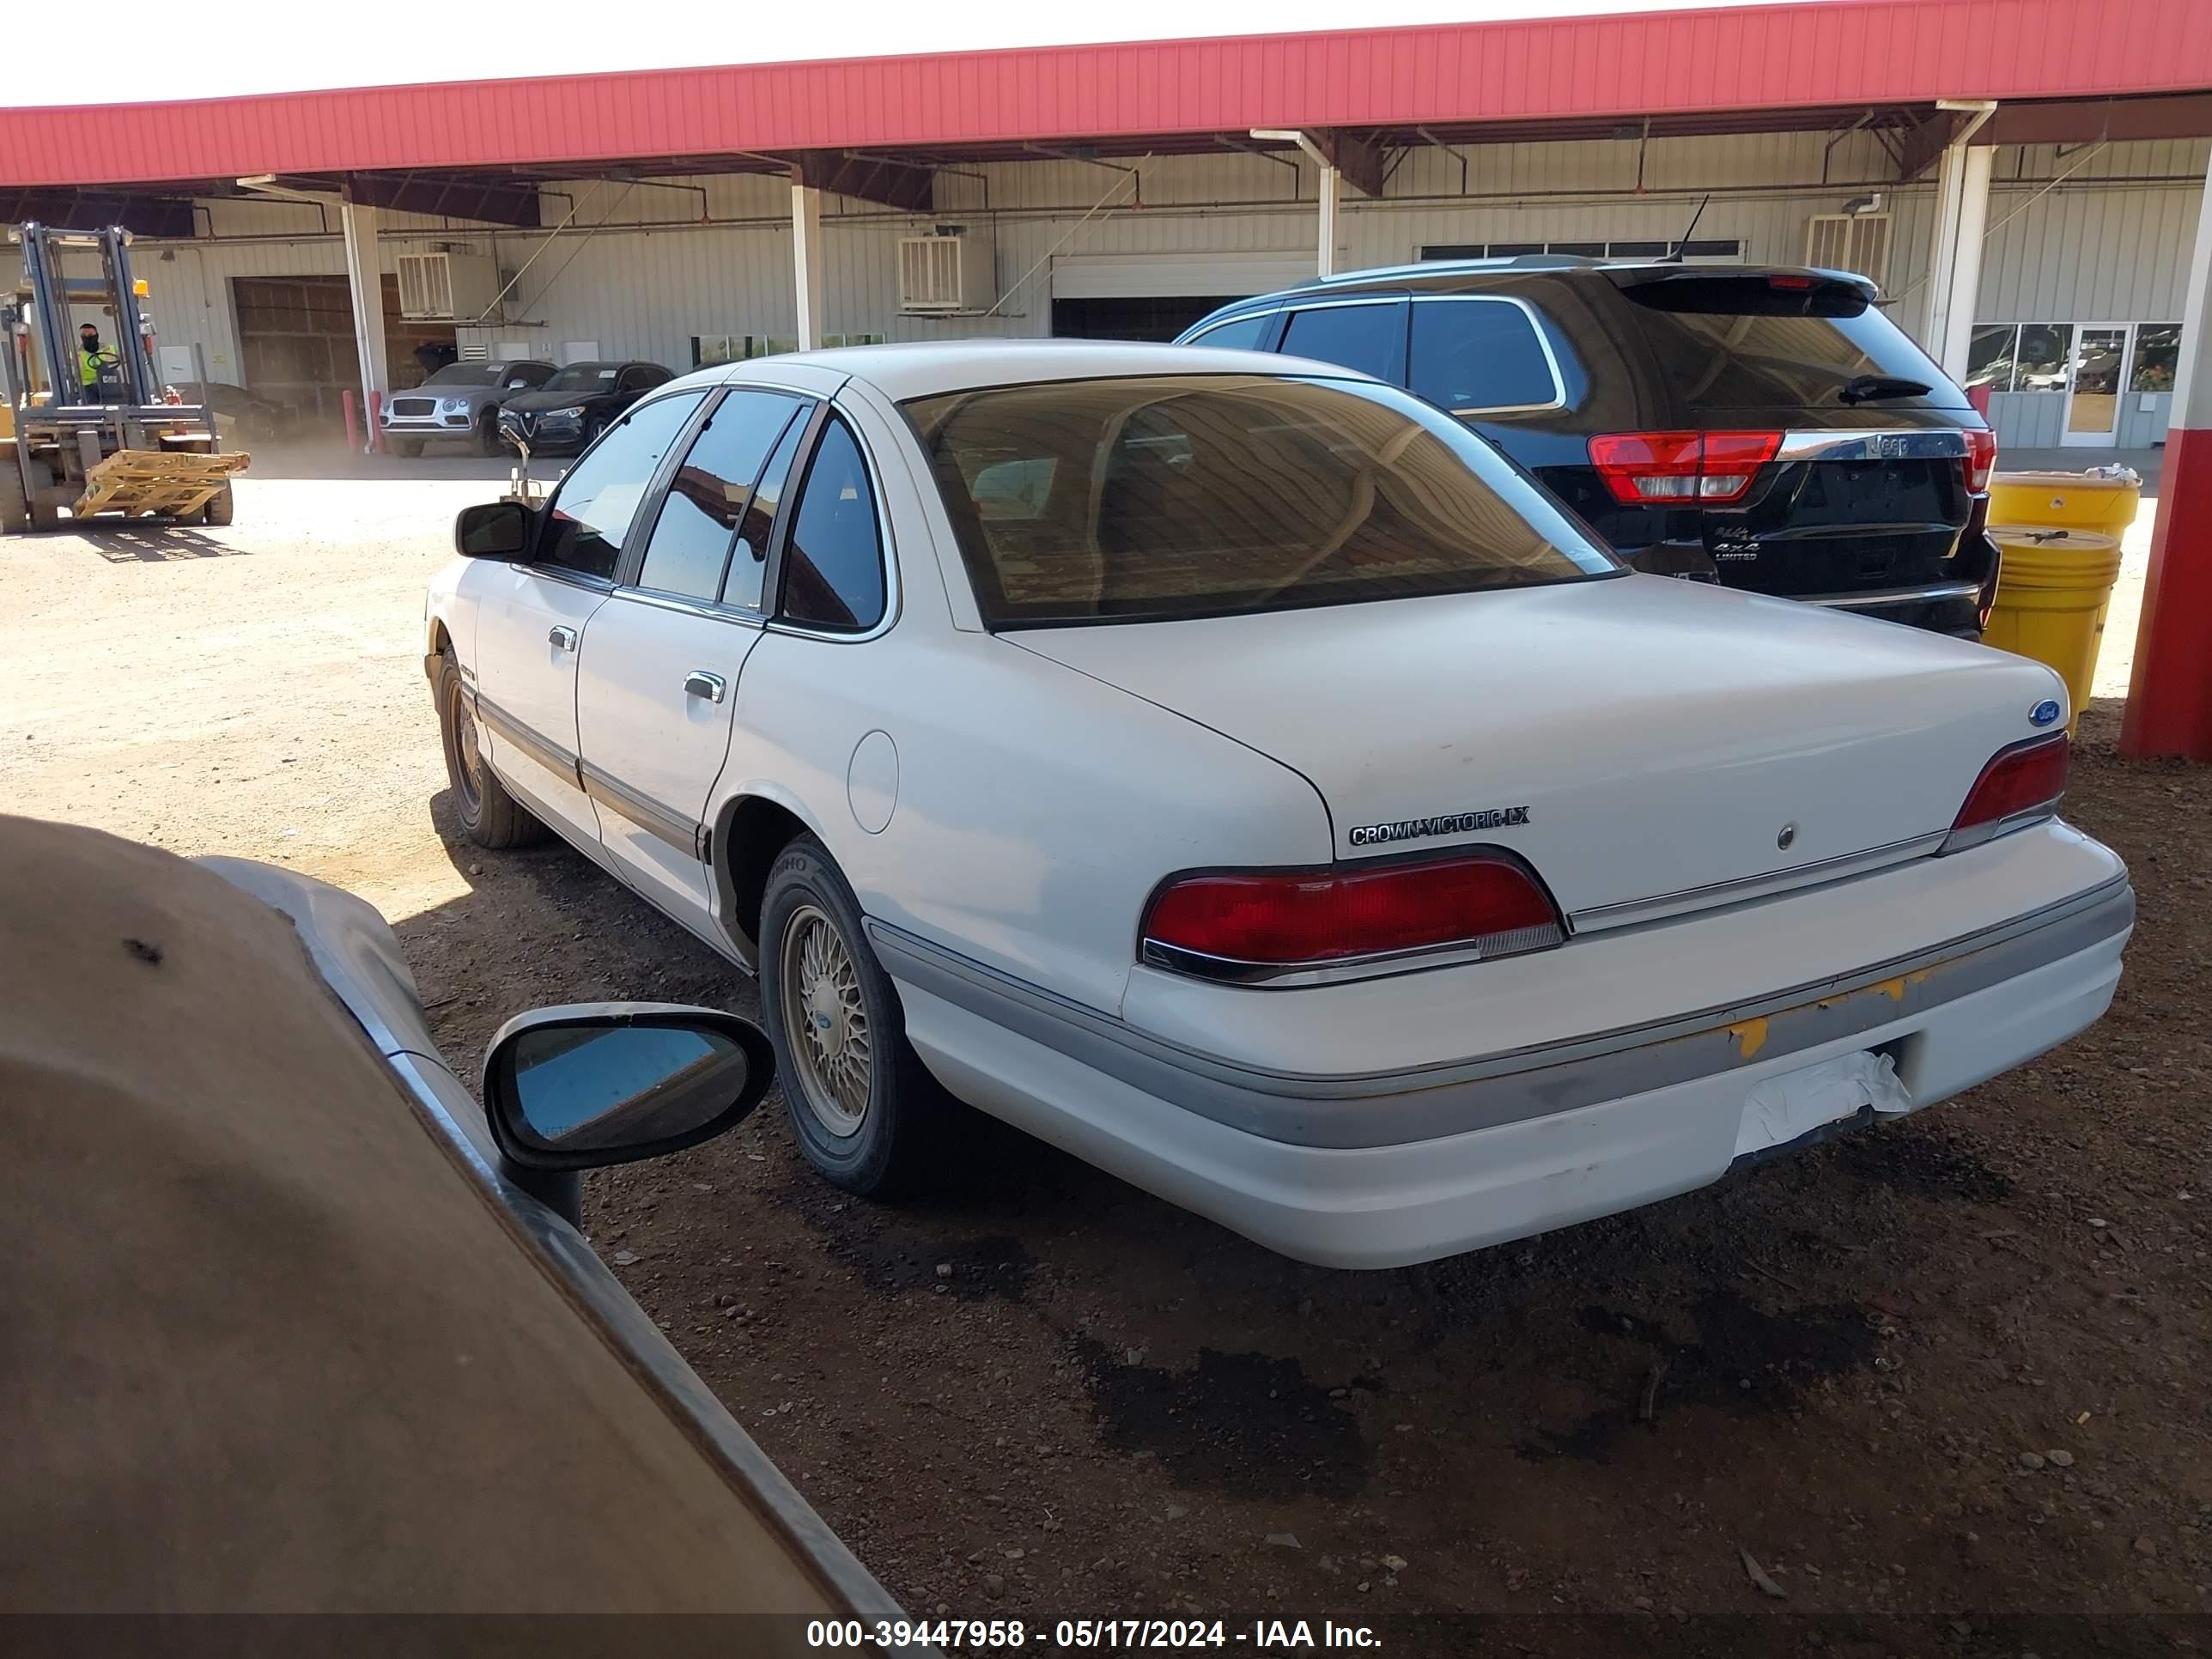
{"x": 365, "y": 282}
{"x": 2169, "y": 695}
{"x": 1962, "y": 211}
{"x": 807, "y": 262}
{"x": 1331, "y": 180}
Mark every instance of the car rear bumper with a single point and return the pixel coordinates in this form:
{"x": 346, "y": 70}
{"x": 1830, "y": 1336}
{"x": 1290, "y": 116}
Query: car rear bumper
{"x": 1382, "y": 1171}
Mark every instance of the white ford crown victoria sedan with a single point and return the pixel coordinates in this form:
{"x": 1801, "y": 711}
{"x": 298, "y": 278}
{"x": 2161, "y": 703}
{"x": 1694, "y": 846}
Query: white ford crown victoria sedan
{"x": 1235, "y": 772}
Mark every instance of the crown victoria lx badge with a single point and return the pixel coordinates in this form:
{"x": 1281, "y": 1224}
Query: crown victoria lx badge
{"x": 1451, "y": 823}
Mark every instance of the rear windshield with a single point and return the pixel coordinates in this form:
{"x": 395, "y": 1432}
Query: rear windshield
{"x": 1742, "y": 342}
{"x": 1163, "y": 496}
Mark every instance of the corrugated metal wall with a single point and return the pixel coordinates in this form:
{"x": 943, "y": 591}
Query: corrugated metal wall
{"x": 712, "y": 256}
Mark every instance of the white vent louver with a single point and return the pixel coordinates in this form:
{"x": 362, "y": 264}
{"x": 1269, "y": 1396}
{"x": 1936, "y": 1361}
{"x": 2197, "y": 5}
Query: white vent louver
{"x": 445, "y": 287}
{"x": 1849, "y": 241}
{"x": 944, "y": 274}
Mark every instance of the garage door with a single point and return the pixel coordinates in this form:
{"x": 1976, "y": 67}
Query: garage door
{"x": 1155, "y": 296}
{"x": 296, "y": 341}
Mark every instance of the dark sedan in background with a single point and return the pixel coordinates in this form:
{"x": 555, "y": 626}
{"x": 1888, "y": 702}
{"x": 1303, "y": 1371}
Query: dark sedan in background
{"x": 577, "y": 406}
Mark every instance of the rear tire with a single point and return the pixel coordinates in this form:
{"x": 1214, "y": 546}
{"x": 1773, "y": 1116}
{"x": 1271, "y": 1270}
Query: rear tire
{"x": 490, "y": 816}
{"x": 865, "y": 1111}
{"x": 219, "y": 507}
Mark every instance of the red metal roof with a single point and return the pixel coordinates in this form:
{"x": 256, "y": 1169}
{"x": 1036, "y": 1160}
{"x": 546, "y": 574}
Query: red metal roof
{"x": 1826, "y": 54}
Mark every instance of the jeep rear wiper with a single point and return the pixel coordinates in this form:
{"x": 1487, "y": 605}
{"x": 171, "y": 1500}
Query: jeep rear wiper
{"x": 1871, "y": 388}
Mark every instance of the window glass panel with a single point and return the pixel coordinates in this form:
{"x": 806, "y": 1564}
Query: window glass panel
{"x": 2046, "y": 349}
{"x": 1587, "y": 250}
{"x": 1452, "y": 250}
{"x": 834, "y": 563}
{"x": 1725, "y": 341}
{"x": 1989, "y": 355}
{"x": 710, "y": 493}
{"x": 749, "y": 563}
{"x": 2158, "y": 357}
{"x": 1478, "y": 354}
{"x": 592, "y": 511}
{"x": 1364, "y": 337}
{"x": 1166, "y": 496}
{"x": 1242, "y": 334}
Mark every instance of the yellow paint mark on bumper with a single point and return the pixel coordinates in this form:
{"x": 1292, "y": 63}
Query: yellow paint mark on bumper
{"x": 1750, "y": 1036}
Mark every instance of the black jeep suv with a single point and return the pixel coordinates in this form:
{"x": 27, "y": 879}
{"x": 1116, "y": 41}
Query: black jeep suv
{"x": 1761, "y": 427}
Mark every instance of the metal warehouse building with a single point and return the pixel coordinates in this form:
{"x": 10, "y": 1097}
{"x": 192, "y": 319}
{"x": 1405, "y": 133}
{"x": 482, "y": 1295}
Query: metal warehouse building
{"x": 2024, "y": 178}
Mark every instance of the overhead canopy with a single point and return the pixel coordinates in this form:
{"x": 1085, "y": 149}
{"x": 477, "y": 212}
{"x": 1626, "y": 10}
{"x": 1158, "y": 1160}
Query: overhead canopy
{"x": 873, "y": 127}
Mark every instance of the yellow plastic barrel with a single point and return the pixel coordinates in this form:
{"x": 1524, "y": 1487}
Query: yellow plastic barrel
{"x": 2052, "y": 589}
{"x": 2068, "y": 501}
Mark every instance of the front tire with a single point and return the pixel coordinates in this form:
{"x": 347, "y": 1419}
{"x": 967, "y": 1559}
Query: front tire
{"x": 219, "y": 507}
{"x": 489, "y": 443}
{"x": 14, "y": 506}
{"x": 865, "y": 1111}
{"x": 490, "y": 816}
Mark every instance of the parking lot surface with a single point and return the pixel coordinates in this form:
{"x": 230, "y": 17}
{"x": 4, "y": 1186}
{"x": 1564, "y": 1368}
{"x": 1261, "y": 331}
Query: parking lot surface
{"x": 1951, "y": 1368}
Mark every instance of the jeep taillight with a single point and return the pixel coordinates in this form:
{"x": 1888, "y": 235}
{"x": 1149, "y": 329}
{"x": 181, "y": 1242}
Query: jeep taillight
{"x": 1981, "y": 457}
{"x": 1260, "y": 923}
{"x": 1681, "y": 469}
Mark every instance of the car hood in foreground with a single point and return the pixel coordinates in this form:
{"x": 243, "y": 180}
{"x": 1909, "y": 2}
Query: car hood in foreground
{"x": 1633, "y": 738}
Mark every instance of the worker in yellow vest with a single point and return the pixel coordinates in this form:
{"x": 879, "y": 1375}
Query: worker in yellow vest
{"x": 91, "y": 362}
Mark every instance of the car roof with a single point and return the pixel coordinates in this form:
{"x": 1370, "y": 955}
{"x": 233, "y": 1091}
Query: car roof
{"x": 922, "y": 369}
{"x": 1469, "y": 276}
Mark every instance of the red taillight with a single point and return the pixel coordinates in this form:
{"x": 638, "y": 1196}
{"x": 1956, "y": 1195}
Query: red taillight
{"x": 1981, "y": 457}
{"x": 2019, "y": 786}
{"x": 1790, "y": 284}
{"x": 1286, "y": 919}
{"x": 1681, "y": 468}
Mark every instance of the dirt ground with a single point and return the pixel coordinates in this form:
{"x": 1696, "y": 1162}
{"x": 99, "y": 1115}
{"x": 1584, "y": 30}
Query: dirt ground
{"x": 1943, "y": 1382}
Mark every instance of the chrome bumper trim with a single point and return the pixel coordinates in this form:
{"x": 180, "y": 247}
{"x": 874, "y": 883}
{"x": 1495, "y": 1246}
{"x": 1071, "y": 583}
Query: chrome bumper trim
{"x": 1453, "y": 1097}
{"x": 1934, "y": 593}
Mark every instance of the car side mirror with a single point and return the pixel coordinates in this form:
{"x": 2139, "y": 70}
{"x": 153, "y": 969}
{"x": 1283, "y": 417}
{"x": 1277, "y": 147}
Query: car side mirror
{"x": 493, "y": 530}
{"x": 599, "y": 1083}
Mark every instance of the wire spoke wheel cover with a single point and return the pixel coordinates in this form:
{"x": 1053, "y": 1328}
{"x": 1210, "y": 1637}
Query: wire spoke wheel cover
{"x": 827, "y": 1018}
{"x": 466, "y": 752}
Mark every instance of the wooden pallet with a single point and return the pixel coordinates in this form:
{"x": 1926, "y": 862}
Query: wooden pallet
{"x": 141, "y": 483}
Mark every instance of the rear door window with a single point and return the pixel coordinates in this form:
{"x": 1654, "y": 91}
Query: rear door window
{"x": 711, "y": 493}
{"x": 1242, "y": 334}
{"x": 1477, "y": 356}
{"x": 833, "y": 566}
{"x": 1757, "y": 341}
{"x": 1369, "y": 337}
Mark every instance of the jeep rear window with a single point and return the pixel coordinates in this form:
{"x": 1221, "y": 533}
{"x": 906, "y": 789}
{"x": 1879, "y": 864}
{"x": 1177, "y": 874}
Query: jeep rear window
{"x": 1745, "y": 341}
{"x": 1156, "y": 497}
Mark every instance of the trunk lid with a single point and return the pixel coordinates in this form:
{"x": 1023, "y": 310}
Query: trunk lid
{"x": 1660, "y": 736}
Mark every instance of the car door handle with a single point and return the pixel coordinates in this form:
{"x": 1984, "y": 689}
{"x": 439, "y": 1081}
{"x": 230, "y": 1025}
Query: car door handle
{"x": 561, "y": 639}
{"x": 700, "y": 683}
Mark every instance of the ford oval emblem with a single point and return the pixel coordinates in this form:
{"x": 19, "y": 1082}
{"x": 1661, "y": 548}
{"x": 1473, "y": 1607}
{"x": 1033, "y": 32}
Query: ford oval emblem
{"x": 2044, "y": 713}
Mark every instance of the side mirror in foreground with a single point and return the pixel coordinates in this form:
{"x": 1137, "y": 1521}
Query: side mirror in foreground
{"x": 598, "y": 1083}
{"x": 493, "y": 530}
